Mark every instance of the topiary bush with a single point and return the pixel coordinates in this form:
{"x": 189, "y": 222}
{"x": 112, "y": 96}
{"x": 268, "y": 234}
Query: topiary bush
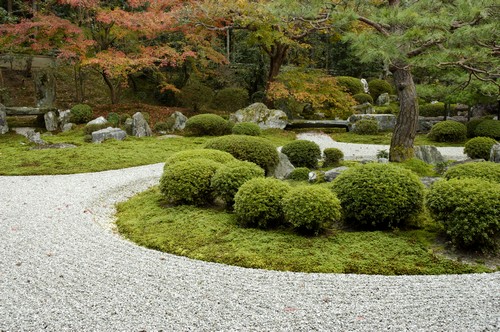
{"x": 362, "y": 98}
{"x": 221, "y": 157}
{"x": 299, "y": 174}
{"x": 488, "y": 128}
{"x": 81, "y": 113}
{"x": 436, "y": 109}
{"x": 196, "y": 95}
{"x": 481, "y": 170}
{"x": 479, "y": 147}
{"x": 378, "y": 87}
{"x": 207, "y": 124}
{"x": 471, "y": 127}
{"x": 311, "y": 209}
{"x": 249, "y": 148}
{"x": 379, "y": 196}
{"x": 302, "y": 153}
{"x": 469, "y": 210}
{"x": 352, "y": 85}
{"x": 231, "y": 176}
{"x": 365, "y": 127}
{"x": 448, "y": 131}
{"x": 189, "y": 182}
{"x": 258, "y": 202}
{"x": 230, "y": 99}
{"x": 246, "y": 128}
{"x": 333, "y": 156}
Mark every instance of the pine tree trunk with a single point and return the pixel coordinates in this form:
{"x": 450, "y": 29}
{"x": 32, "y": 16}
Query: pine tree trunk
{"x": 407, "y": 120}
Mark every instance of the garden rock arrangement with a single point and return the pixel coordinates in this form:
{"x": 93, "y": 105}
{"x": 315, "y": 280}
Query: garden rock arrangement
{"x": 260, "y": 114}
{"x": 100, "y": 135}
{"x": 284, "y": 167}
{"x": 429, "y": 154}
{"x": 179, "y": 121}
{"x": 140, "y": 127}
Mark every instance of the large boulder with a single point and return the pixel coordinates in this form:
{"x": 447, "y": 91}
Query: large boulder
{"x": 140, "y": 127}
{"x": 386, "y": 122}
{"x": 51, "y": 121}
{"x": 98, "y": 121}
{"x": 495, "y": 153}
{"x": 428, "y": 153}
{"x": 180, "y": 121}
{"x": 284, "y": 167}
{"x": 383, "y": 100}
{"x": 4, "y": 127}
{"x": 64, "y": 118}
{"x": 100, "y": 135}
{"x": 263, "y": 116}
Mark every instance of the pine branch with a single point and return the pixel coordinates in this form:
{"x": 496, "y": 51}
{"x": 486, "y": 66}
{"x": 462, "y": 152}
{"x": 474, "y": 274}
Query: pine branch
{"x": 423, "y": 48}
{"x": 377, "y": 26}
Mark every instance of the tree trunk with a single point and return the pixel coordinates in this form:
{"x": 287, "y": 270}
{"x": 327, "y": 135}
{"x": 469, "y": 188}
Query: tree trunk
{"x": 112, "y": 90}
{"x": 277, "y": 56}
{"x": 9, "y": 7}
{"x": 407, "y": 120}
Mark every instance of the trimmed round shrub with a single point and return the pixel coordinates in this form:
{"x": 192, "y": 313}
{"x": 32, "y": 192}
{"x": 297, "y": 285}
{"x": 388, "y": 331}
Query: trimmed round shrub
{"x": 362, "y": 98}
{"x": 302, "y": 153}
{"x": 221, "y": 157}
{"x": 258, "y": 202}
{"x": 436, "y": 109}
{"x": 488, "y": 128}
{"x": 248, "y": 148}
{"x": 299, "y": 174}
{"x": 246, "y": 128}
{"x": 196, "y": 95}
{"x": 81, "y": 113}
{"x": 311, "y": 209}
{"x": 471, "y": 127}
{"x": 378, "y": 87}
{"x": 114, "y": 119}
{"x": 207, "y": 125}
{"x": 352, "y": 85}
{"x": 230, "y": 99}
{"x": 469, "y": 210}
{"x": 379, "y": 196}
{"x": 479, "y": 147}
{"x": 189, "y": 182}
{"x": 332, "y": 156}
{"x": 448, "y": 131}
{"x": 231, "y": 176}
{"x": 482, "y": 170}
{"x": 365, "y": 127}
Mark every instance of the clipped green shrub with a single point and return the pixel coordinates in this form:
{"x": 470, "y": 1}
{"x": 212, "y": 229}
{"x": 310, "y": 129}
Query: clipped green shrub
{"x": 332, "y": 156}
{"x": 448, "y": 131}
{"x": 479, "y": 147}
{"x": 352, "y": 85}
{"x": 469, "y": 211}
{"x": 166, "y": 125}
{"x": 196, "y": 95}
{"x": 114, "y": 119}
{"x": 362, "y": 98}
{"x": 89, "y": 129}
{"x": 231, "y": 176}
{"x": 419, "y": 167}
{"x": 488, "y": 128}
{"x": 258, "y": 202}
{"x": 302, "y": 153}
{"x": 246, "y": 128}
{"x": 249, "y": 148}
{"x": 481, "y": 170}
{"x": 230, "y": 99}
{"x": 189, "y": 182}
{"x": 436, "y": 109}
{"x": 472, "y": 125}
{"x": 379, "y": 196}
{"x": 207, "y": 125}
{"x": 378, "y": 87}
{"x": 81, "y": 113}
{"x": 299, "y": 174}
{"x": 311, "y": 209}
{"x": 221, "y": 157}
{"x": 365, "y": 127}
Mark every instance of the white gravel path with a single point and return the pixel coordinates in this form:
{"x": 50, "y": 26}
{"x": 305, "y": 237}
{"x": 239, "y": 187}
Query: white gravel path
{"x": 63, "y": 269}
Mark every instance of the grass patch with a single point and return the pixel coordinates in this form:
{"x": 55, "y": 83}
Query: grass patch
{"x": 213, "y": 235}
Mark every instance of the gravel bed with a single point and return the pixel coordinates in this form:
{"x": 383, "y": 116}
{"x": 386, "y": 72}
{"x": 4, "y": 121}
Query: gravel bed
{"x": 62, "y": 268}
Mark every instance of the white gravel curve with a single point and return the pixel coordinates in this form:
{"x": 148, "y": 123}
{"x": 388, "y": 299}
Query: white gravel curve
{"x": 63, "y": 269}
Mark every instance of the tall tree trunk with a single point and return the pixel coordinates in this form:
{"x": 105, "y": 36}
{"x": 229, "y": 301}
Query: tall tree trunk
{"x": 407, "y": 120}
{"x": 277, "y": 56}
{"x": 112, "y": 89}
{"x": 9, "y": 7}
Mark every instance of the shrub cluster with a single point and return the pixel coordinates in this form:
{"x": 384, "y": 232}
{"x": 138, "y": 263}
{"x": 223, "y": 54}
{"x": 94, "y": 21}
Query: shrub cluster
{"x": 246, "y": 128}
{"x": 166, "y": 125}
{"x": 299, "y": 174}
{"x": 196, "y": 95}
{"x": 362, "y": 98}
{"x": 258, "y": 202}
{"x": 114, "y": 119}
{"x": 365, "y": 127}
{"x": 378, "y": 87}
{"x": 482, "y": 170}
{"x": 81, "y": 113}
{"x": 471, "y": 127}
{"x": 479, "y": 147}
{"x": 352, "y": 85}
{"x": 207, "y": 124}
{"x": 436, "y": 109}
{"x": 230, "y": 99}
{"x": 302, "y": 153}
{"x": 379, "y": 196}
{"x": 332, "y": 156}
{"x": 249, "y": 148}
{"x": 221, "y": 157}
{"x": 488, "y": 128}
{"x": 448, "y": 131}
{"x": 311, "y": 209}
{"x": 469, "y": 211}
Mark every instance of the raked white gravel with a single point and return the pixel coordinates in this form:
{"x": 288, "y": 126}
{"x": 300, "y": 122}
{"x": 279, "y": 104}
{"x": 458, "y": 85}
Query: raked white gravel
{"x": 62, "y": 268}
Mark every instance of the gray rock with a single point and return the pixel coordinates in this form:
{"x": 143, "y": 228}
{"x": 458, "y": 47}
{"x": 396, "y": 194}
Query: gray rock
{"x": 64, "y": 118}
{"x": 51, "y": 121}
{"x": 180, "y": 120}
{"x": 386, "y": 122}
{"x": 263, "y": 116}
{"x": 429, "y": 154}
{"x": 34, "y": 137}
{"x": 365, "y": 85}
{"x": 427, "y": 181}
{"x": 45, "y": 88}
{"x": 284, "y": 167}
{"x": 383, "y": 99}
{"x": 383, "y": 160}
{"x": 330, "y": 175}
{"x": 4, "y": 127}
{"x": 140, "y": 127}
{"x": 495, "y": 153}
{"x": 67, "y": 127}
{"x": 103, "y": 134}
{"x": 99, "y": 121}
{"x": 313, "y": 176}
{"x": 365, "y": 108}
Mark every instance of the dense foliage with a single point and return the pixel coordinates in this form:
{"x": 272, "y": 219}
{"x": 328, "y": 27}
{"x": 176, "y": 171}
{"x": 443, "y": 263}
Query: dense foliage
{"x": 81, "y": 113}
{"x": 211, "y": 154}
{"x": 207, "y": 125}
{"x": 332, "y": 156}
{"x": 448, "y": 131}
{"x": 483, "y": 170}
{"x": 362, "y": 98}
{"x": 365, "y": 127}
{"x": 378, "y": 87}
{"x": 351, "y": 84}
{"x": 299, "y": 174}
{"x": 488, "y": 128}
{"x": 302, "y": 153}
{"x": 479, "y": 147}
{"x": 230, "y": 99}
{"x": 246, "y": 128}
